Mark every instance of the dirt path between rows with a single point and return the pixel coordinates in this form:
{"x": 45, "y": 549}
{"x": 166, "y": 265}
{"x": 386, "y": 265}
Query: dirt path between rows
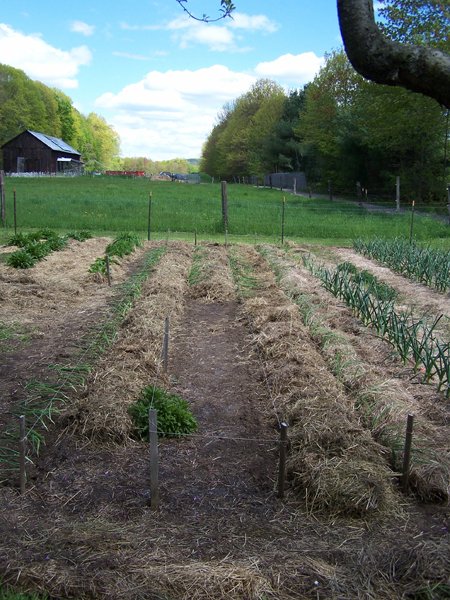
{"x": 232, "y": 461}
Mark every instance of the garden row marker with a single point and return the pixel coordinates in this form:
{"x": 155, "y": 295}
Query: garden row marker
{"x": 154, "y": 475}
{"x": 149, "y": 215}
{"x": 165, "y": 352}
{"x": 22, "y": 454}
{"x": 412, "y": 222}
{"x": 15, "y": 212}
{"x": 282, "y": 462}
{"x": 108, "y": 270}
{"x": 224, "y": 204}
{"x": 195, "y": 237}
{"x": 397, "y": 193}
{"x": 2, "y": 198}
{"x": 283, "y": 207}
{"x": 407, "y": 453}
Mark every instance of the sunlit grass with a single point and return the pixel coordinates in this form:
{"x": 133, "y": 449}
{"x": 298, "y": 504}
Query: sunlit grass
{"x": 107, "y": 205}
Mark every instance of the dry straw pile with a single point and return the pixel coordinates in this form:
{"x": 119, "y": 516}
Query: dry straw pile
{"x": 333, "y": 461}
{"x": 136, "y": 355}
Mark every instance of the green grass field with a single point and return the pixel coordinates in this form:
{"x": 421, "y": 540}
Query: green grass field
{"x": 107, "y": 205}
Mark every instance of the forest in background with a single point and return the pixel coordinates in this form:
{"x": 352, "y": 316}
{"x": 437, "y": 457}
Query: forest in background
{"x": 29, "y": 104}
{"x": 341, "y": 129}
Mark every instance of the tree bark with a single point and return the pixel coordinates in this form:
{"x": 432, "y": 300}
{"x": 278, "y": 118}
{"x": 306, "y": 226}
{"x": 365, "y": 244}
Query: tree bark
{"x": 416, "y": 68}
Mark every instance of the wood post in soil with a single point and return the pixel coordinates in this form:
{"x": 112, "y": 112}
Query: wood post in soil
{"x": 412, "y": 222}
{"x": 22, "y": 454}
{"x": 282, "y": 459}
{"x": 15, "y": 212}
{"x": 108, "y": 269}
{"x": 224, "y": 205}
{"x": 149, "y": 215}
{"x": 397, "y": 193}
{"x": 407, "y": 453}
{"x": 2, "y": 199}
{"x": 195, "y": 237}
{"x": 283, "y": 210}
{"x": 165, "y": 351}
{"x": 154, "y": 467}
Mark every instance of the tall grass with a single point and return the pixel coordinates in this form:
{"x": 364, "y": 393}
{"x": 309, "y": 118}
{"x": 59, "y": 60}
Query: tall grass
{"x": 108, "y": 204}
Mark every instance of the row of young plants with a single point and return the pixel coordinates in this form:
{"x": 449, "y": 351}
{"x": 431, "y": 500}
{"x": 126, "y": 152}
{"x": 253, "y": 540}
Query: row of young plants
{"x": 45, "y": 400}
{"x": 414, "y": 339}
{"x": 123, "y": 245}
{"x": 429, "y": 266}
{"x": 35, "y": 246}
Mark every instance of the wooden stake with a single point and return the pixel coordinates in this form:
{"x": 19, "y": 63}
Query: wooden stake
{"x": 282, "y": 219}
{"x": 2, "y": 199}
{"x": 22, "y": 454}
{"x": 224, "y": 205}
{"x": 149, "y": 215}
{"x": 15, "y": 212}
{"x": 195, "y": 237}
{"x": 154, "y": 467}
{"x": 282, "y": 461}
{"x": 412, "y": 222}
{"x": 407, "y": 453}
{"x": 108, "y": 270}
{"x": 165, "y": 352}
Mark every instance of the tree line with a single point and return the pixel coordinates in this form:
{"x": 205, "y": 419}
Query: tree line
{"x": 341, "y": 129}
{"x": 29, "y": 104}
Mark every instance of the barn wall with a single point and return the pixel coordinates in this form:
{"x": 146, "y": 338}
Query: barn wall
{"x": 37, "y": 156}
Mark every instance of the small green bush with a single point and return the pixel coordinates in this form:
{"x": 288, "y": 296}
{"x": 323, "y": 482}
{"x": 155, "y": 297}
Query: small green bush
{"x": 173, "y": 413}
{"x": 123, "y": 244}
{"x": 19, "y": 240}
{"x": 21, "y": 260}
{"x": 80, "y": 236}
{"x": 37, "y": 250}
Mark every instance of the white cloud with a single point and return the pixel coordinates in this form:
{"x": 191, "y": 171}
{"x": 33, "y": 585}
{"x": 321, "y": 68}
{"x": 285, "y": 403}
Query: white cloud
{"x": 171, "y": 113}
{"x": 41, "y": 61}
{"x": 217, "y": 37}
{"x": 289, "y": 69}
{"x": 252, "y": 23}
{"x": 83, "y": 28}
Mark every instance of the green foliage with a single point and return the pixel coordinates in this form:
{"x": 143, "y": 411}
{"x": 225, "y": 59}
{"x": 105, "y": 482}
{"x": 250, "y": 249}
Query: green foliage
{"x": 173, "y": 413}
{"x": 35, "y": 246}
{"x": 80, "y": 236}
{"x": 420, "y": 263}
{"x": 28, "y": 104}
{"x": 123, "y": 245}
{"x": 21, "y": 259}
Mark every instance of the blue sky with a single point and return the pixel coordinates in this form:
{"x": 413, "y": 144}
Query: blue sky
{"x": 156, "y": 76}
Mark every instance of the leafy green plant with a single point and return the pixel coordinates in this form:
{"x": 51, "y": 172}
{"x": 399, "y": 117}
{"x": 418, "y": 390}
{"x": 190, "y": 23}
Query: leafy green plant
{"x": 123, "y": 244}
{"x": 21, "y": 259}
{"x": 173, "y": 413}
{"x": 80, "y": 236}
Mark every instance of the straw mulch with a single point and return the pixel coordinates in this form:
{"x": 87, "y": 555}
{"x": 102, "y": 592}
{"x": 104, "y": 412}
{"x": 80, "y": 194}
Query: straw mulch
{"x": 383, "y": 401}
{"x": 136, "y": 355}
{"x": 333, "y": 462}
{"x": 214, "y": 282}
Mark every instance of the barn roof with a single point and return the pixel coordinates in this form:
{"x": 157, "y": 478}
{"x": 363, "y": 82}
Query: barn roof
{"x": 53, "y": 143}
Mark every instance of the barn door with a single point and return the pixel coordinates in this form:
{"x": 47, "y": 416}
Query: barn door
{"x": 20, "y": 164}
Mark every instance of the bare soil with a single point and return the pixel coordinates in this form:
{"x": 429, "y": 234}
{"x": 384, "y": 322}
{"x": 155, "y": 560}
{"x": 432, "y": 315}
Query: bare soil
{"x": 84, "y": 528}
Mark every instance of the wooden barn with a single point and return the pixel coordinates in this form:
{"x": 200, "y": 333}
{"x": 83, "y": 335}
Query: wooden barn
{"x": 33, "y": 152}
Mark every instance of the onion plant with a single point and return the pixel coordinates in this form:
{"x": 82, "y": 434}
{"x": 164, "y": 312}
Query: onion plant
{"x": 423, "y": 264}
{"x": 413, "y": 338}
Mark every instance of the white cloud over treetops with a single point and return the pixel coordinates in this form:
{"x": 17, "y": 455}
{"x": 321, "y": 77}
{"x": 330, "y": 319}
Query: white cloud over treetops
{"x": 170, "y": 114}
{"x": 41, "y": 61}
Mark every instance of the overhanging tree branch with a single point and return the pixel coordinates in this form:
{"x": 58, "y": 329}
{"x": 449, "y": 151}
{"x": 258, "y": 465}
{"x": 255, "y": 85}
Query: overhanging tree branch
{"x": 417, "y": 68}
{"x": 226, "y": 8}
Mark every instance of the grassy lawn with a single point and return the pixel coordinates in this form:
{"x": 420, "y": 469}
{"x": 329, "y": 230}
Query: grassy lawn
{"x": 107, "y": 205}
